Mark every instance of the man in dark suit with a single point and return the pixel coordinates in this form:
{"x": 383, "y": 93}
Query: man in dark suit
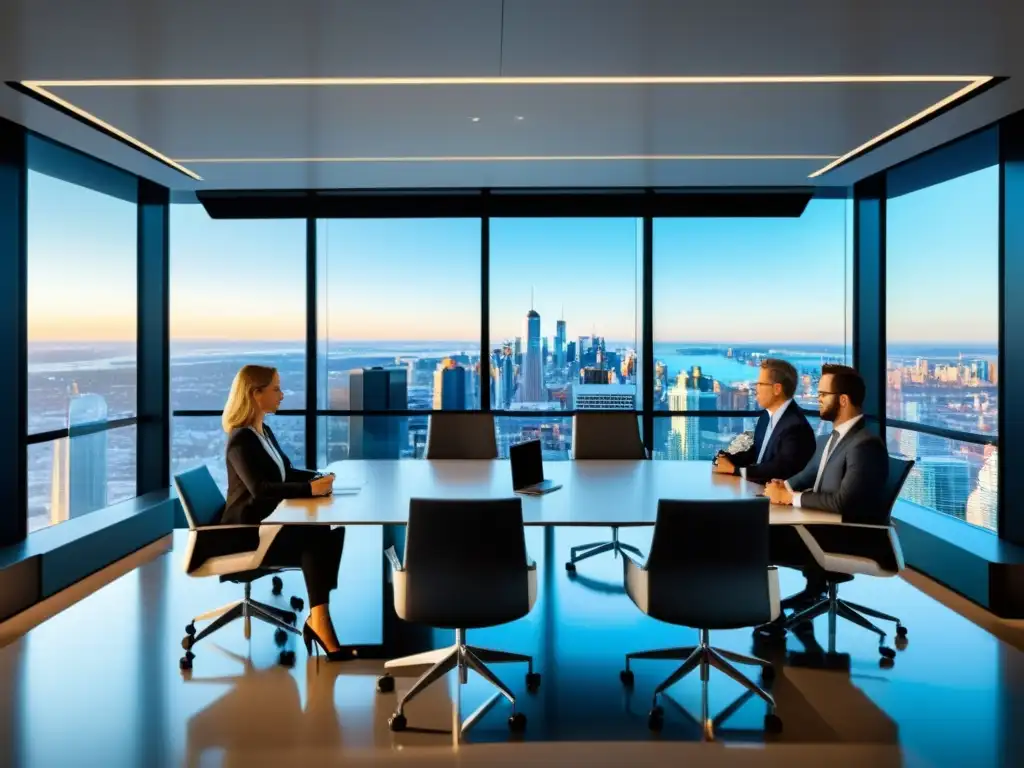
{"x": 783, "y": 438}
{"x": 847, "y": 475}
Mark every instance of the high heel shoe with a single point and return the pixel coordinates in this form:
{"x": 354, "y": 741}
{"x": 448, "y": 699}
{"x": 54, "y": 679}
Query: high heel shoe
{"x": 312, "y": 640}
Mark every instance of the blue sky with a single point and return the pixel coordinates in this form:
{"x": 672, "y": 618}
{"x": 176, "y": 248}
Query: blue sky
{"x": 735, "y": 280}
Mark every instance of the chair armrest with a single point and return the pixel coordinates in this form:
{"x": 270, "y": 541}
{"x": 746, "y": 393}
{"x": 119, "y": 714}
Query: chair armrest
{"x": 392, "y": 557}
{"x": 636, "y": 563}
{"x": 812, "y": 545}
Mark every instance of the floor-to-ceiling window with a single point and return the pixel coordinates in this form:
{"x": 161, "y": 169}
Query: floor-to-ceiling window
{"x": 82, "y": 322}
{"x": 238, "y": 297}
{"x": 729, "y": 292}
{"x": 942, "y": 296}
{"x": 565, "y": 314}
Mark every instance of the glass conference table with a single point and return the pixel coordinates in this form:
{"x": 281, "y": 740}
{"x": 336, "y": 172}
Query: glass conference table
{"x": 593, "y": 493}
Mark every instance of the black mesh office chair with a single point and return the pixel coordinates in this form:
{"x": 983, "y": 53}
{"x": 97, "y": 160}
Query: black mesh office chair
{"x": 461, "y": 436}
{"x": 609, "y": 437}
{"x": 708, "y": 569}
{"x": 465, "y": 567}
{"x": 839, "y": 568}
{"x": 233, "y": 553}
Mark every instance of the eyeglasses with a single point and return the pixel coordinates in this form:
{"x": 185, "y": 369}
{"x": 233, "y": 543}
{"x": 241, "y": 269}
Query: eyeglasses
{"x": 822, "y": 394}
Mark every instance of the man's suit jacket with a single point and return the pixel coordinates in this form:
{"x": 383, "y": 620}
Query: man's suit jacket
{"x": 790, "y": 447}
{"x": 853, "y": 481}
{"x": 254, "y": 480}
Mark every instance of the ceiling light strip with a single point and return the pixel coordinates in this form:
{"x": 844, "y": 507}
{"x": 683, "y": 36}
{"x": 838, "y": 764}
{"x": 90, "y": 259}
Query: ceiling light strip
{"x": 91, "y": 118}
{"x": 489, "y": 158}
{"x": 491, "y": 80}
{"x": 924, "y": 113}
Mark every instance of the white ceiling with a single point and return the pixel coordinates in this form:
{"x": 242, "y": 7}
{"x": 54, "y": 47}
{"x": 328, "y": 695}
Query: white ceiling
{"x": 126, "y": 39}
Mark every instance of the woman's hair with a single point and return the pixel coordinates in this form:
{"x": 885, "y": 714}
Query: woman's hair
{"x": 240, "y": 410}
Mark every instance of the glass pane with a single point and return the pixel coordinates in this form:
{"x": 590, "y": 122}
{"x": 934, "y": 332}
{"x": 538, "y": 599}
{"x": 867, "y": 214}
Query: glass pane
{"x": 238, "y": 296}
{"x": 564, "y": 314}
{"x": 697, "y": 438}
{"x": 402, "y": 296}
{"x": 950, "y": 476}
{"x": 82, "y": 289}
{"x": 720, "y": 308}
{"x": 198, "y": 440}
{"x": 71, "y": 477}
{"x": 371, "y": 437}
{"x": 943, "y": 352}
{"x": 554, "y": 433}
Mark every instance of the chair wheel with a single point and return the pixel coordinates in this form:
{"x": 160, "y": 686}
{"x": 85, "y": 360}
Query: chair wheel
{"x": 184, "y": 663}
{"x": 277, "y": 585}
{"x": 280, "y": 637}
{"x": 517, "y": 722}
{"x": 887, "y": 653}
{"x": 886, "y": 663}
{"x": 187, "y": 642}
{"x": 287, "y": 658}
{"x": 385, "y": 683}
{"x": 397, "y": 722}
{"x": 768, "y": 673}
{"x": 570, "y": 567}
{"x": 297, "y": 603}
{"x": 772, "y": 724}
{"x": 189, "y": 655}
{"x": 190, "y": 628}
{"x": 532, "y": 681}
{"x": 656, "y": 719}
{"x": 626, "y": 676}
{"x": 901, "y": 643}
{"x": 291, "y": 617}
{"x": 901, "y": 631}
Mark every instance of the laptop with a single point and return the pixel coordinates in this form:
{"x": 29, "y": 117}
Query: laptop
{"x": 528, "y": 470}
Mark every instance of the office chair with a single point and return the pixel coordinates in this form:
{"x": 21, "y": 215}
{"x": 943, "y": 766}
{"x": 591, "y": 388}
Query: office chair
{"x": 465, "y": 567}
{"x": 708, "y": 569}
{"x": 461, "y": 436}
{"x": 839, "y": 568}
{"x": 234, "y": 553}
{"x": 605, "y": 436}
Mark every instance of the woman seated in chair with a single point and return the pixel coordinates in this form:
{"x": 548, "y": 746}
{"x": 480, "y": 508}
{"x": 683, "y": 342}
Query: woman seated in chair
{"x": 259, "y": 476}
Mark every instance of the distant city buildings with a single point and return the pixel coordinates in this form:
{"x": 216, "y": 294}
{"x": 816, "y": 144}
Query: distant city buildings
{"x": 78, "y": 484}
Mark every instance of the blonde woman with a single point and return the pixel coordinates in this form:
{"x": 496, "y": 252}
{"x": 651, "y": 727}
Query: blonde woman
{"x": 259, "y": 476}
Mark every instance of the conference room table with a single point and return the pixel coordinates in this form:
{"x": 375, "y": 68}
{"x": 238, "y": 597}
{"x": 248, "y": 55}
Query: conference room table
{"x": 376, "y": 492}
{"x": 593, "y": 493}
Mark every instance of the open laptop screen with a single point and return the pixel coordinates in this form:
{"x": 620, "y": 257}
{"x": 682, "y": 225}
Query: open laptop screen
{"x": 527, "y": 464}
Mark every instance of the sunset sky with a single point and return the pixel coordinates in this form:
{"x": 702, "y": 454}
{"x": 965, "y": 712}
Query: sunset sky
{"x": 731, "y": 280}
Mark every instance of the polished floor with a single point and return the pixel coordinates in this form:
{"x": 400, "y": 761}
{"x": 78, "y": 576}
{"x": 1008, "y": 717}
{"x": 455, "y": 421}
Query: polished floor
{"x": 99, "y": 684}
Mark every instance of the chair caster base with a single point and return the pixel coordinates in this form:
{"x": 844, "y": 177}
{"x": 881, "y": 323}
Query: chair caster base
{"x": 287, "y": 658}
{"x": 626, "y": 676}
{"x": 901, "y": 631}
{"x": 385, "y": 684}
{"x": 772, "y": 723}
{"x": 570, "y": 567}
{"x": 532, "y": 681}
{"x": 517, "y": 722}
{"x": 280, "y": 637}
{"x": 887, "y": 653}
{"x": 296, "y": 603}
{"x": 190, "y": 628}
{"x": 277, "y": 585}
{"x": 397, "y": 722}
{"x": 886, "y": 663}
{"x": 656, "y": 719}
{"x": 187, "y": 642}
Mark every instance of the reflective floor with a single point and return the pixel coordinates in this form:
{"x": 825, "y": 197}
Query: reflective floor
{"x": 99, "y": 684}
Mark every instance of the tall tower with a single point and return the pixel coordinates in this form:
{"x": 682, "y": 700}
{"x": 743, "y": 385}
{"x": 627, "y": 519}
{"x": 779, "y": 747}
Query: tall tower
{"x": 560, "y": 342}
{"x": 532, "y": 389}
{"x": 79, "y": 480}
{"x": 378, "y": 389}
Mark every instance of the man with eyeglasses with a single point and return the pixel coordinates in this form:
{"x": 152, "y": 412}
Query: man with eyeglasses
{"x": 783, "y": 438}
{"x": 846, "y": 475}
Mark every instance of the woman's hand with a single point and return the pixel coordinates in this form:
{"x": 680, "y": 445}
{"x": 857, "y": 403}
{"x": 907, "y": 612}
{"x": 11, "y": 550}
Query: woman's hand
{"x": 322, "y": 486}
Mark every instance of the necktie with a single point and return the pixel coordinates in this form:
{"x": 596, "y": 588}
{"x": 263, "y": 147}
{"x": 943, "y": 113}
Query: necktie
{"x": 767, "y": 437}
{"x": 824, "y": 457}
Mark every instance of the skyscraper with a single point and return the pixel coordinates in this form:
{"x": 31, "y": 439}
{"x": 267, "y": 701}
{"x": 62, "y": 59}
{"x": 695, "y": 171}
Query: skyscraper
{"x": 79, "y": 480}
{"x": 531, "y": 389}
{"x": 453, "y": 390}
{"x": 560, "y": 344}
{"x": 377, "y": 389}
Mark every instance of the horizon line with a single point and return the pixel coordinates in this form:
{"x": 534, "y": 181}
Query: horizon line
{"x": 300, "y": 340}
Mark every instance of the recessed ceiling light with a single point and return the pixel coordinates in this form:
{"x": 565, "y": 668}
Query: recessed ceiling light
{"x": 475, "y": 119}
{"x": 520, "y": 117}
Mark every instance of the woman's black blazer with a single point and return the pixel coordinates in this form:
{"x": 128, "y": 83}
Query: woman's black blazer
{"x": 254, "y": 479}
